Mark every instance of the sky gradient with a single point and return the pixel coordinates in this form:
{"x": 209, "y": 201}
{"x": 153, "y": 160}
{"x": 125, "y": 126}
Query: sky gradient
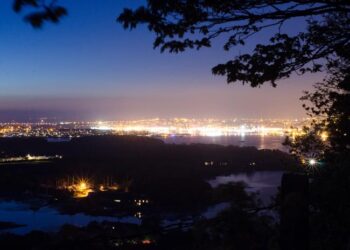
{"x": 88, "y": 68}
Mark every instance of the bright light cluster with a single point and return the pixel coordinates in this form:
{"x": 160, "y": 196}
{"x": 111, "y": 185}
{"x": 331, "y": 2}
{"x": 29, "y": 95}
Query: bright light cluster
{"x": 29, "y": 157}
{"x": 82, "y": 188}
{"x": 156, "y": 126}
{"x": 197, "y": 130}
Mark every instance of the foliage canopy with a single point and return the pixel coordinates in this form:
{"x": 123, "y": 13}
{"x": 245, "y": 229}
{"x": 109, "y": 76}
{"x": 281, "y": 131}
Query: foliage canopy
{"x": 186, "y": 24}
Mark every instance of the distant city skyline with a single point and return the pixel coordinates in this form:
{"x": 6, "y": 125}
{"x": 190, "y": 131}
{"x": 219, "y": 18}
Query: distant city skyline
{"x": 91, "y": 69}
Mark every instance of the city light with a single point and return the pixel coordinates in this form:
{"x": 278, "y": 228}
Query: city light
{"x": 324, "y": 136}
{"x": 81, "y": 189}
{"x": 312, "y": 162}
{"x": 29, "y": 157}
{"x": 82, "y": 186}
{"x": 64, "y": 131}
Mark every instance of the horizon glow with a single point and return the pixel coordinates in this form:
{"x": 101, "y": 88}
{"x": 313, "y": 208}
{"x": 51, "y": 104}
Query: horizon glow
{"x": 88, "y": 68}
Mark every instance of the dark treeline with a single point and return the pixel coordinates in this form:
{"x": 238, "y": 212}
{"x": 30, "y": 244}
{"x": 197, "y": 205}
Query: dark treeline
{"x": 172, "y": 175}
{"x": 118, "y": 149}
{"x": 143, "y": 159}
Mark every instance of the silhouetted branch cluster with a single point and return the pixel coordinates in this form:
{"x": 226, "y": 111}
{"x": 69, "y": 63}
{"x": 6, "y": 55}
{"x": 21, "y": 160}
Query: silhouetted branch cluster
{"x": 181, "y": 25}
{"x": 42, "y": 11}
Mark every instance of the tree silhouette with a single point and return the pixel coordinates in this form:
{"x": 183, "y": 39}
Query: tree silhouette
{"x": 40, "y": 11}
{"x": 329, "y": 108}
{"x": 180, "y": 25}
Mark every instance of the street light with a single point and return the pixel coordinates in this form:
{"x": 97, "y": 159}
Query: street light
{"x": 312, "y": 162}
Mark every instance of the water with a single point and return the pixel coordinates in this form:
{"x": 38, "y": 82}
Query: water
{"x": 260, "y": 142}
{"x": 49, "y": 219}
{"x": 213, "y": 211}
{"x": 266, "y": 183}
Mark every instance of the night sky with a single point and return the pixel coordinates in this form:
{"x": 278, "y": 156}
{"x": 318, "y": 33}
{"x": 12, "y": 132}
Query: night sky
{"x": 88, "y": 67}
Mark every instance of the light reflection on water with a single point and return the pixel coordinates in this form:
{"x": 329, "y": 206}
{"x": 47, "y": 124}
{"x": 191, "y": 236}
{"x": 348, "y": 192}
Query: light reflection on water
{"x": 260, "y": 142}
{"x": 264, "y": 182}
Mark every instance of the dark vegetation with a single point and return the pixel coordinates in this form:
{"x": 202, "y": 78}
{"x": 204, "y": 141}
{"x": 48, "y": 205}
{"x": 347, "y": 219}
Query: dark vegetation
{"x": 172, "y": 176}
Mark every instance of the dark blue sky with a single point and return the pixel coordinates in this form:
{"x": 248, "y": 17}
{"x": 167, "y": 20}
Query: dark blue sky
{"x": 88, "y": 67}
